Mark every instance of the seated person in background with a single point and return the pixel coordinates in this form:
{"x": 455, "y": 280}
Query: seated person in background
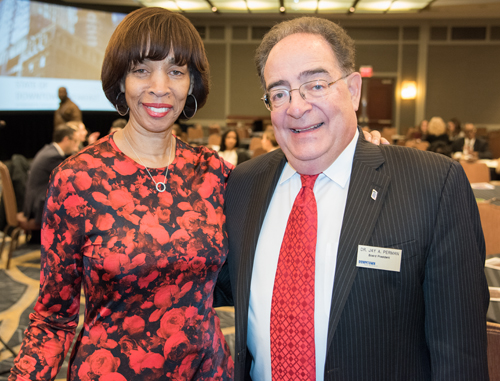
{"x": 454, "y": 129}
{"x": 64, "y": 142}
{"x": 230, "y": 148}
{"x": 117, "y": 124}
{"x": 418, "y": 132}
{"x": 269, "y": 142}
{"x": 436, "y": 131}
{"x": 440, "y": 147}
{"x": 470, "y": 147}
{"x": 82, "y": 132}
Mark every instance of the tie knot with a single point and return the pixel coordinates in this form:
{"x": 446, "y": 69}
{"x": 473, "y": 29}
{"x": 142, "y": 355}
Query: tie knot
{"x": 308, "y": 180}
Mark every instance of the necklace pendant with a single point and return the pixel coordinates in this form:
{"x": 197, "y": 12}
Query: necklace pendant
{"x": 161, "y": 187}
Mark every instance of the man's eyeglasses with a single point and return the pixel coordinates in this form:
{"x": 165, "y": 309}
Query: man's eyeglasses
{"x": 309, "y": 91}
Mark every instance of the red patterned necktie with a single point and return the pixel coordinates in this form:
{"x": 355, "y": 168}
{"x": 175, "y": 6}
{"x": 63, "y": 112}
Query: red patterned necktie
{"x": 292, "y": 309}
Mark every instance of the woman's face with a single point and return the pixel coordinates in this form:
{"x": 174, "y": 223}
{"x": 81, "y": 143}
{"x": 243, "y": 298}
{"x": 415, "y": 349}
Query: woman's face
{"x": 156, "y": 92}
{"x": 424, "y": 126}
{"x": 230, "y": 140}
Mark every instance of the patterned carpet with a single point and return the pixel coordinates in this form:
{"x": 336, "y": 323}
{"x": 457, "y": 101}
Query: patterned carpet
{"x": 19, "y": 291}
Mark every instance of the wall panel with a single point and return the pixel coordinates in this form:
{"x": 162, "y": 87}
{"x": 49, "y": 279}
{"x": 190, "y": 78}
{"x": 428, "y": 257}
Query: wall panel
{"x": 463, "y": 82}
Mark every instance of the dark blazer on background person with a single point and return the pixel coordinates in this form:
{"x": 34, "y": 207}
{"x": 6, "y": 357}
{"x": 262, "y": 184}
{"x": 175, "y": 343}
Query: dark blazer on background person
{"x": 427, "y": 321}
{"x": 480, "y": 146}
{"x": 38, "y": 180}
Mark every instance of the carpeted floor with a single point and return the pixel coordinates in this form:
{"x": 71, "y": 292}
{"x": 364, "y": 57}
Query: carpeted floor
{"x": 18, "y": 292}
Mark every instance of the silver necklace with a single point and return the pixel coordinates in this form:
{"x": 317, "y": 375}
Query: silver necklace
{"x": 160, "y": 186}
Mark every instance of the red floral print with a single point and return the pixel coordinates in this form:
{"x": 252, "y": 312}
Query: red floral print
{"x": 147, "y": 262}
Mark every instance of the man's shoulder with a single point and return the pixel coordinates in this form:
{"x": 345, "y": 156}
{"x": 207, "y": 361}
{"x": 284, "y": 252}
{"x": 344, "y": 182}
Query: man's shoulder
{"x": 405, "y": 158}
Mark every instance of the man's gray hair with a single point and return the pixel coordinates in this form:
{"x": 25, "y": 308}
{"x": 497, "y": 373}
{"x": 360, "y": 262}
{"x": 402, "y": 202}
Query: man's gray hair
{"x": 342, "y": 45}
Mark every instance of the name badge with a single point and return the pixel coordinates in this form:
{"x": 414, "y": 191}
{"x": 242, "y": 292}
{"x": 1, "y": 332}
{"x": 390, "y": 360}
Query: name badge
{"x": 379, "y": 258}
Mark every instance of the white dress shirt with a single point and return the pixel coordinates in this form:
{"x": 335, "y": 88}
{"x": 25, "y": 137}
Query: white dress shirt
{"x": 330, "y": 190}
{"x": 230, "y": 156}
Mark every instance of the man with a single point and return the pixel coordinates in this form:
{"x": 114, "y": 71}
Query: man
{"x": 470, "y": 147}
{"x": 64, "y": 143}
{"x": 399, "y": 290}
{"x": 67, "y": 111}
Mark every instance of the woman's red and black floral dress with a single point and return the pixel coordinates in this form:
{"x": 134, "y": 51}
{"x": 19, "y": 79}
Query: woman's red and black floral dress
{"x": 148, "y": 263}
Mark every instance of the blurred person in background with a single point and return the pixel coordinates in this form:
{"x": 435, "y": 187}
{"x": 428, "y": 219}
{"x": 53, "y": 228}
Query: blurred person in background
{"x": 64, "y": 143}
{"x": 117, "y": 125}
{"x": 230, "y": 148}
{"x": 268, "y": 141}
{"x": 68, "y": 111}
{"x": 436, "y": 130}
{"x": 454, "y": 129}
{"x": 470, "y": 147}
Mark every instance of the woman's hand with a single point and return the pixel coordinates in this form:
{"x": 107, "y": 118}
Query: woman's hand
{"x": 375, "y": 137}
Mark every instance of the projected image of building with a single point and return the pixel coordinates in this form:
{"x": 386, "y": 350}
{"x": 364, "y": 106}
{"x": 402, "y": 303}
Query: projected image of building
{"x": 42, "y": 40}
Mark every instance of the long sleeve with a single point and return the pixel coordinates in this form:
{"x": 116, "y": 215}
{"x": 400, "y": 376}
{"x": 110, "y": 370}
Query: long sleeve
{"x": 455, "y": 291}
{"x": 54, "y": 321}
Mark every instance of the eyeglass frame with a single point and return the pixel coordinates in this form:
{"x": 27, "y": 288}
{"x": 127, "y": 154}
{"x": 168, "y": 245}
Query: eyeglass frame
{"x": 267, "y": 103}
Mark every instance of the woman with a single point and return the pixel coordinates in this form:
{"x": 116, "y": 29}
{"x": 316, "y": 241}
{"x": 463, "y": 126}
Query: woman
{"x": 268, "y": 140}
{"x": 137, "y": 219}
{"x": 454, "y": 129}
{"x": 436, "y": 131}
{"x": 229, "y": 148}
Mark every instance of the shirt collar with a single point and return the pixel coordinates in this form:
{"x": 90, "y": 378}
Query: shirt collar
{"x": 339, "y": 171}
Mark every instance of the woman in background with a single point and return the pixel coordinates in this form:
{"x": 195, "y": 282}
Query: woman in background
{"x": 436, "y": 130}
{"x": 268, "y": 141}
{"x": 454, "y": 129}
{"x": 230, "y": 148}
{"x": 137, "y": 220}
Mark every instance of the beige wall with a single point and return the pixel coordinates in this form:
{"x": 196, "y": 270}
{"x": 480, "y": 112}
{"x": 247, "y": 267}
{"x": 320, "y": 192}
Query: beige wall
{"x": 464, "y": 81}
{"x": 456, "y": 78}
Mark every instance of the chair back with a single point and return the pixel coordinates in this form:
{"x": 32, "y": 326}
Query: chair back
{"x": 388, "y": 132}
{"x": 255, "y": 143}
{"x": 494, "y": 143}
{"x": 476, "y": 172}
{"x": 258, "y": 151}
{"x": 490, "y": 221}
{"x": 493, "y": 330}
{"x": 8, "y": 196}
{"x": 214, "y": 140}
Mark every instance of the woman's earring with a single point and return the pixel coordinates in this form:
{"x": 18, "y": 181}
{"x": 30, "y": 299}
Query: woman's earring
{"x": 116, "y": 106}
{"x": 195, "y": 107}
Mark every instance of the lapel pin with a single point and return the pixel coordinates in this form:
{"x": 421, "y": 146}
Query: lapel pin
{"x": 374, "y": 194}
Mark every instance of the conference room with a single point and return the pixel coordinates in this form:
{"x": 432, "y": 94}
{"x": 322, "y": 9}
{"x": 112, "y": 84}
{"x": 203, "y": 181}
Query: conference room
{"x": 430, "y": 82}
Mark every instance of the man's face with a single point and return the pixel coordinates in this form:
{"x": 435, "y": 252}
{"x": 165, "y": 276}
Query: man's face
{"x": 70, "y": 144}
{"x": 312, "y": 134}
{"x": 470, "y": 131}
{"x": 63, "y": 95}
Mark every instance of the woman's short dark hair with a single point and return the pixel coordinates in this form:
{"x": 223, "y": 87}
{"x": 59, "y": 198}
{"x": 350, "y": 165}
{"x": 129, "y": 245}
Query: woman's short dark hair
{"x": 223, "y": 140}
{"x": 150, "y": 33}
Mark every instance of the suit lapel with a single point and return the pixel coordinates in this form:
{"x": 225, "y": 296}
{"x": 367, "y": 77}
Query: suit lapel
{"x": 263, "y": 186}
{"x": 360, "y": 215}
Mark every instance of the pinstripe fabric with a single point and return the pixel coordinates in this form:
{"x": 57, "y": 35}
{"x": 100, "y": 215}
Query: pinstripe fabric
{"x": 425, "y": 322}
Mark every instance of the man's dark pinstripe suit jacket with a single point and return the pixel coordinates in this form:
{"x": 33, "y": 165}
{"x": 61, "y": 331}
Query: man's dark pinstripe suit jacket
{"x": 426, "y": 322}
